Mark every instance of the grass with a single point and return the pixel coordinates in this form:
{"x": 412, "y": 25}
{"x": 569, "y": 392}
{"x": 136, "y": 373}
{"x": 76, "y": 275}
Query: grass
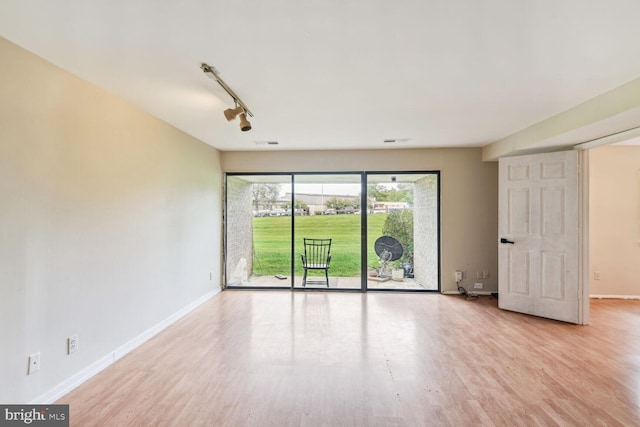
{"x": 272, "y": 242}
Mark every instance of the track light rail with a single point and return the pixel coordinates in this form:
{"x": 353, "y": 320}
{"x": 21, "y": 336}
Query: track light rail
{"x": 213, "y": 74}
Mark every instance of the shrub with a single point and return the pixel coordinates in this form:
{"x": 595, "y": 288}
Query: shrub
{"x": 399, "y": 225}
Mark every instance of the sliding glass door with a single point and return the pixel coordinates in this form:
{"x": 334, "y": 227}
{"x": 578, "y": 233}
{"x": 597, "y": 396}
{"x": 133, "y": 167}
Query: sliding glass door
{"x": 403, "y": 231}
{"x": 328, "y": 213}
{"x": 318, "y": 231}
{"x": 258, "y": 231}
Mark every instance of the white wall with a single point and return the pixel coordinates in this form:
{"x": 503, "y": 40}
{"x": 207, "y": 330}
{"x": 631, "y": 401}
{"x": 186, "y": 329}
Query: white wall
{"x": 469, "y": 196}
{"x": 110, "y": 222}
{"x": 614, "y": 220}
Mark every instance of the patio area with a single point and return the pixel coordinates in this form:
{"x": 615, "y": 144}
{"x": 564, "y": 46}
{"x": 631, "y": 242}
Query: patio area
{"x": 334, "y": 283}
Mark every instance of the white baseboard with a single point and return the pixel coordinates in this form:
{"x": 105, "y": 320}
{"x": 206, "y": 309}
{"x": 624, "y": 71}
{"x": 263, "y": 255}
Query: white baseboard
{"x": 614, "y": 296}
{"x": 634, "y": 297}
{"x": 471, "y": 291}
{"x": 75, "y": 380}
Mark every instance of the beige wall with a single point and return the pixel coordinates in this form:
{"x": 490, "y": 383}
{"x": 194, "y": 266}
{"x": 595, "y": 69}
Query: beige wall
{"x": 469, "y": 195}
{"x": 614, "y": 220}
{"x": 110, "y": 222}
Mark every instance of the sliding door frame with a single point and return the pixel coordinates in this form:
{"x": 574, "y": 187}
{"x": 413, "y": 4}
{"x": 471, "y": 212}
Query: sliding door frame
{"x": 363, "y": 230}
{"x": 365, "y": 288}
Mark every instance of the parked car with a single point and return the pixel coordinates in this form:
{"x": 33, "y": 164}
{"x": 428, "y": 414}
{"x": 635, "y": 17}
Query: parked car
{"x": 330, "y": 211}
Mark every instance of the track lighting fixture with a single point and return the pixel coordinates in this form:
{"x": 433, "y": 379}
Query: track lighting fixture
{"x": 244, "y": 123}
{"x": 232, "y": 113}
{"x": 240, "y": 108}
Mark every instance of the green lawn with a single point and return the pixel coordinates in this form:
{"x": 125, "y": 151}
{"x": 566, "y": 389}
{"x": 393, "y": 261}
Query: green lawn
{"x": 272, "y": 242}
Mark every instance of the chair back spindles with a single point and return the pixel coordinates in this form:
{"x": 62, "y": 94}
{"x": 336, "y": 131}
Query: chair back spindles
{"x": 317, "y": 256}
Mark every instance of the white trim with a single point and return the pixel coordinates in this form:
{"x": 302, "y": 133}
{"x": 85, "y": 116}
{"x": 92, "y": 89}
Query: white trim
{"x": 609, "y": 139}
{"x": 583, "y": 250}
{"x": 472, "y": 291}
{"x": 614, "y": 296}
{"x": 75, "y": 380}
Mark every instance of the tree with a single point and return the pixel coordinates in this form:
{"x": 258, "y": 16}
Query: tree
{"x": 299, "y": 204}
{"x": 264, "y": 195}
{"x": 395, "y": 193}
{"x": 341, "y": 204}
{"x": 377, "y": 192}
{"x": 405, "y": 192}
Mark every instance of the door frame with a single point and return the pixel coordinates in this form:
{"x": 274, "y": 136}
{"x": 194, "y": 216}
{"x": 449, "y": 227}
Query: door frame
{"x": 583, "y": 235}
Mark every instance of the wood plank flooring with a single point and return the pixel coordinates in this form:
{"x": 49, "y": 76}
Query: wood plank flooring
{"x": 256, "y": 358}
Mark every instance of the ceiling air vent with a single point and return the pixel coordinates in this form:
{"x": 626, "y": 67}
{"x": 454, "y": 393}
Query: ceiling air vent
{"x": 394, "y": 140}
{"x": 265, "y": 142}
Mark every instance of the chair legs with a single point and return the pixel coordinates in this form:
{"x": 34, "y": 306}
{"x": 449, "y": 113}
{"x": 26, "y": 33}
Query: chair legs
{"x": 304, "y": 277}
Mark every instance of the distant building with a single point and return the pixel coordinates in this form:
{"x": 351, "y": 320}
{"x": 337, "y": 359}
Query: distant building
{"x": 388, "y": 207}
{"x": 318, "y": 202}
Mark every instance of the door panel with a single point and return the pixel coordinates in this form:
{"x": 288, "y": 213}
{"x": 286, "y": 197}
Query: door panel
{"x": 538, "y": 212}
{"x": 553, "y": 211}
{"x": 520, "y": 271}
{"x": 403, "y": 206}
{"x": 332, "y": 203}
{"x": 258, "y": 231}
{"x": 518, "y": 220}
{"x": 553, "y": 284}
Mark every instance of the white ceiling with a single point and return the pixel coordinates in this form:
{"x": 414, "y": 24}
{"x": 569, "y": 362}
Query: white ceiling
{"x": 337, "y": 74}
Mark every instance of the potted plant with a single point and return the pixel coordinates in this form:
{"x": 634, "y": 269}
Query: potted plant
{"x": 397, "y": 273}
{"x": 373, "y": 270}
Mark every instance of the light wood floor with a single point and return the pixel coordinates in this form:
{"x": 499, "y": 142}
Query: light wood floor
{"x": 342, "y": 359}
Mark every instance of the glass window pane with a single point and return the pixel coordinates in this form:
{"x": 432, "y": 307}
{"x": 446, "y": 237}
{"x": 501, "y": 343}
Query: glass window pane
{"x": 258, "y": 231}
{"x": 402, "y": 231}
{"x": 330, "y": 209}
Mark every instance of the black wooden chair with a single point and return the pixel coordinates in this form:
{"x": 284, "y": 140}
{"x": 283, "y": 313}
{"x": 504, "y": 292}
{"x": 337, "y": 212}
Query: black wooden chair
{"x": 317, "y": 256}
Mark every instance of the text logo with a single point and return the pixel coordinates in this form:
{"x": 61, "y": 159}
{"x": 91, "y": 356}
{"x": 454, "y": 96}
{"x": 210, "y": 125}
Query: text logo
{"x": 34, "y": 415}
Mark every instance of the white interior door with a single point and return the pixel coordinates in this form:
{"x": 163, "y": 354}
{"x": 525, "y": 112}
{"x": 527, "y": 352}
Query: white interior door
{"x": 539, "y": 253}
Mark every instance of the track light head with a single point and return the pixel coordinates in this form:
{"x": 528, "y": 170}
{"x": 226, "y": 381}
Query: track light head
{"x": 232, "y": 113}
{"x": 244, "y": 123}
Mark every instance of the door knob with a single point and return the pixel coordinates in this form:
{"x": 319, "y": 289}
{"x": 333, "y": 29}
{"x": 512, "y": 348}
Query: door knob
{"x": 503, "y": 240}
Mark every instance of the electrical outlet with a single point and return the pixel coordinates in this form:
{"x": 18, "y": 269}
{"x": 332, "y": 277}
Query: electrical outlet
{"x": 596, "y": 275}
{"x": 211, "y": 275}
{"x": 458, "y": 276}
{"x": 34, "y": 363}
{"x": 485, "y": 274}
{"x": 477, "y": 286}
{"x": 478, "y": 274}
{"x": 72, "y": 344}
